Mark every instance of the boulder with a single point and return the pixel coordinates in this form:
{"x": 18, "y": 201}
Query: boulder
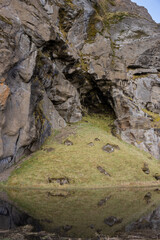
{"x": 67, "y": 142}
{"x": 102, "y": 170}
{"x": 145, "y": 169}
{"x": 109, "y": 148}
{"x": 61, "y": 181}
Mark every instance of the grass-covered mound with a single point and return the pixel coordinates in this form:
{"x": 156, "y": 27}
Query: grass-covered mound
{"x": 83, "y": 213}
{"x": 78, "y": 162}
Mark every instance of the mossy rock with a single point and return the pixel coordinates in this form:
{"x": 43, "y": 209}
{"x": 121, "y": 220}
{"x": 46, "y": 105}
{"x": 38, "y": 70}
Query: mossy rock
{"x": 155, "y": 118}
{"x": 5, "y": 20}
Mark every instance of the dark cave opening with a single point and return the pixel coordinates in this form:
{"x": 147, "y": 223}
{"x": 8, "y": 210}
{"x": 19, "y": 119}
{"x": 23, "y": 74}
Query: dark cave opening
{"x": 92, "y": 97}
{"x": 97, "y": 103}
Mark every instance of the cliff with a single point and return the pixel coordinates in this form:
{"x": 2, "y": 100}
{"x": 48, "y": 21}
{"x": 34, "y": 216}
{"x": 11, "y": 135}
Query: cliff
{"x": 61, "y": 57}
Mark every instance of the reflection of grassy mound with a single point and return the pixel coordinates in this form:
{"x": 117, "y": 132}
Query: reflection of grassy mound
{"x": 79, "y": 162}
{"x": 84, "y": 211}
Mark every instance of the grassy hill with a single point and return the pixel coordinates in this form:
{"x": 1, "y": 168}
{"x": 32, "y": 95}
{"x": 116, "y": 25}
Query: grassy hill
{"x": 78, "y": 162}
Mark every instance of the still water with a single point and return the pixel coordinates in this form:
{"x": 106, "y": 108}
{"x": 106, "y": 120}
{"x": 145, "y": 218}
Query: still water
{"x": 82, "y": 213}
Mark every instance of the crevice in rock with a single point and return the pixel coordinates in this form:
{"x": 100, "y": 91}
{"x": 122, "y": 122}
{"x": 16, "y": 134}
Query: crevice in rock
{"x": 16, "y": 144}
{"x": 43, "y": 128}
{"x": 142, "y": 74}
{"x": 133, "y": 67}
{"x": 97, "y": 102}
{"x": 5, "y": 163}
{"x": 57, "y": 49}
{"x": 91, "y": 96}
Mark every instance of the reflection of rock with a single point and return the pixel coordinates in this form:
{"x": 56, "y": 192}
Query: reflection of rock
{"x": 64, "y": 194}
{"x": 103, "y": 201}
{"x": 28, "y": 232}
{"x": 80, "y": 209}
{"x": 150, "y": 221}
{"x": 157, "y": 190}
{"x": 148, "y": 197}
{"x": 11, "y": 217}
{"x": 67, "y": 228}
{"x": 102, "y": 170}
{"x": 3, "y": 211}
{"x": 92, "y": 226}
{"x": 111, "y": 221}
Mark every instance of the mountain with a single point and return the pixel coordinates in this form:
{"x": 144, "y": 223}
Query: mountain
{"x": 61, "y": 58}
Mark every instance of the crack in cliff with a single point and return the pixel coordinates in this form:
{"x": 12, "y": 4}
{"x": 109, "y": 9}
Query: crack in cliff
{"x": 16, "y": 144}
{"x": 5, "y": 163}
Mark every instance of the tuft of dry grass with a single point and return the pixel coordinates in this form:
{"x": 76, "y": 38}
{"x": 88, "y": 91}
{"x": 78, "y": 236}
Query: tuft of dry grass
{"x": 79, "y": 162}
{"x": 155, "y": 118}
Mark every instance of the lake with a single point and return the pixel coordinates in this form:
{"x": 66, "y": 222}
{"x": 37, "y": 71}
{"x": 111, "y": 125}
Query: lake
{"x": 81, "y": 213}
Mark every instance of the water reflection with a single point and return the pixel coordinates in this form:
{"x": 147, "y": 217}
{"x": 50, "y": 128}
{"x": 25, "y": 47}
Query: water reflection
{"x": 150, "y": 221}
{"x": 11, "y": 217}
{"x": 84, "y": 213}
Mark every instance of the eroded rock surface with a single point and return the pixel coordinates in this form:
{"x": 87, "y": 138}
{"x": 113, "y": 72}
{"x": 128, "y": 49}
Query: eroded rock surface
{"x": 58, "y": 56}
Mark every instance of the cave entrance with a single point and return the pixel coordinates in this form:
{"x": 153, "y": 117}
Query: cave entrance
{"x": 96, "y": 103}
{"x": 93, "y": 99}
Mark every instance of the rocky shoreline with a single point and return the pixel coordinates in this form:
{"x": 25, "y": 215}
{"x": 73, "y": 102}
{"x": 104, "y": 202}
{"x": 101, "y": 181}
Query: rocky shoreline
{"x": 26, "y": 233}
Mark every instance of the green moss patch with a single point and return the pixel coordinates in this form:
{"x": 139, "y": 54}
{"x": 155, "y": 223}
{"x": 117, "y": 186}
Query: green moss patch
{"x": 65, "y": 21}
{"x": 103, "y": 15}
{"x": 83, "y": 63}
{"x": 155, "y": 118}
{"x": 92, "y": 31}
{"x": 115, "y": 17}
{"x": 5, "y": 20}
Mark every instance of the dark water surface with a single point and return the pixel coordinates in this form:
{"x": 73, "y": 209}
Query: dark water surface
{"x": 82, "y": 213}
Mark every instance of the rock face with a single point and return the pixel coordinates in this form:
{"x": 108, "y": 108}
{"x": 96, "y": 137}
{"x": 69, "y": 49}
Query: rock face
{"x": 57, "y": 56}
